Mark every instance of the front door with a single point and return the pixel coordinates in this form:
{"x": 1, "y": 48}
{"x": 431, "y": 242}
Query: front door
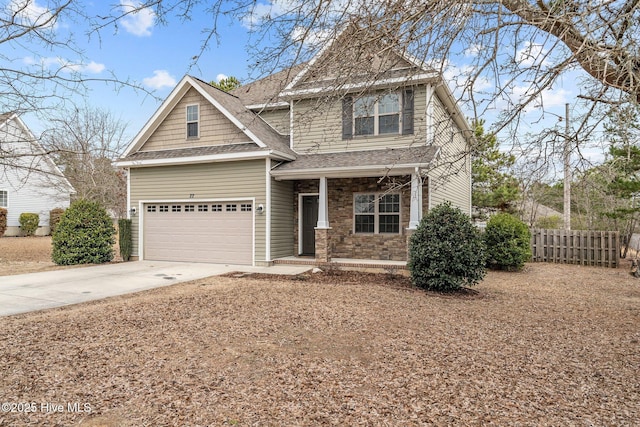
{"x": 309, "y": 222}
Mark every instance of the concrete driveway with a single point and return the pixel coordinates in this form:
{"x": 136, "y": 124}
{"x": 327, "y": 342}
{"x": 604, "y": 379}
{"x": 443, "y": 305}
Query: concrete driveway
{"x": 37, "y": 291}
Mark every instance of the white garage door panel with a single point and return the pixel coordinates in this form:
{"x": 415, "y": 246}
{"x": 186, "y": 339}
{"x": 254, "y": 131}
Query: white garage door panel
{"x": 219, "y": 237}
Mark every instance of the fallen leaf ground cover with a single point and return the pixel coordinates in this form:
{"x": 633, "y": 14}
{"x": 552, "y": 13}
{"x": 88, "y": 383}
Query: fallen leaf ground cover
{"x": 553, "y": 345}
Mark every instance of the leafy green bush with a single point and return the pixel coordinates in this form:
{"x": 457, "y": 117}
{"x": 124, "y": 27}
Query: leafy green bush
{"x": 508, "y": 242}
{"x": 54, "y": 218}
{"x": 29, "y": 223}
{"x": 446, "y": 251}
{"x": 84, "y": 235}
{"x": 124, "y": 238}
{"x": 3, "y": 221}
{"x": 549, "y": 222}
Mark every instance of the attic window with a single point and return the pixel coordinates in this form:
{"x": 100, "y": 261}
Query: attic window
{"x": 193, "y": 118}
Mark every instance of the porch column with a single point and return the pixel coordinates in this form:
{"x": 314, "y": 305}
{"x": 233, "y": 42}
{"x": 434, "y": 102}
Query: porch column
{"x": 323, "y": 239}
{"x": 323, "y": 206}
{"x": 415, "y": 214}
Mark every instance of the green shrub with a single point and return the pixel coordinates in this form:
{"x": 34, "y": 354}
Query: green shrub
{"x": 29, "y": 223}
{"x": 549, "y": 222}
{"x": 124, "y": 238}
{"x": 54, "y": 218}
{"x": 508, "y": 242}
{"x": 3, "y": 221}
{"x": 84, "y": 235}
{"x": 446, "y": 251}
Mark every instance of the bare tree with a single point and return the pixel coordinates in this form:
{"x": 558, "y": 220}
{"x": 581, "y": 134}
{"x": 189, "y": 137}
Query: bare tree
{"x": 515, "y": 49}
{"x": 86, "y": 142}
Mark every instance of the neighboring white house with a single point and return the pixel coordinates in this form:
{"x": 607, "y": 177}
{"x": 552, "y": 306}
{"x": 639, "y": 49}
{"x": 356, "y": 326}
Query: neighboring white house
{"x": 30, "y": 182}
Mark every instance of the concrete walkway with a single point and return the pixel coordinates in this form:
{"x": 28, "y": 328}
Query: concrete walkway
{"x": 37, "y": 291}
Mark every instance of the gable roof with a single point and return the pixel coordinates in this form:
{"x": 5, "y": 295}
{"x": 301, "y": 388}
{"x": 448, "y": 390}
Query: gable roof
{"x": 36, "y": 150}
{"x": 254, "y": 127}
{"x": 356, "y": 59}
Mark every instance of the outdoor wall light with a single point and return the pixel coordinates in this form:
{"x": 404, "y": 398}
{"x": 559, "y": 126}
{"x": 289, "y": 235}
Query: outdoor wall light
{"x": 132, "y": 211}
{"x": 260, "y": 209}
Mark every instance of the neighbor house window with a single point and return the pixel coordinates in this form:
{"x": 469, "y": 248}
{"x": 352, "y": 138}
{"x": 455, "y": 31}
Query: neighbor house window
{"x": 4, "y": 199}
{"x": 376, "y": 213}
{"x": 193, "y": 118}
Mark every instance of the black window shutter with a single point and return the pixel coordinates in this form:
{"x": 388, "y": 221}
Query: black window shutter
{"x": 347, "y": 117}
{"x": 407, "y": 112}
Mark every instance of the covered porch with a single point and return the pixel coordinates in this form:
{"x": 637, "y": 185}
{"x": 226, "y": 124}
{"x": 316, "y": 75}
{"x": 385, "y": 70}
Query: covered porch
{"x": 357, "y": 209}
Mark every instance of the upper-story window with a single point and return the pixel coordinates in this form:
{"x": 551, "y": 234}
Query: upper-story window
{"x": 4, "y": 199}
{"x": 193, "y": 119}
{"x": 381, "y": 113}
{"x": 376, "y": 115}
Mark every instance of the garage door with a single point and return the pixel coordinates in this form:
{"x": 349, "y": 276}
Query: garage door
{"x": 220, "y": 232}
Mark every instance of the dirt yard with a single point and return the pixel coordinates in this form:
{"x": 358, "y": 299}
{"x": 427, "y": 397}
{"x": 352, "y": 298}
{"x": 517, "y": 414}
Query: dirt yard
{"x": 553, "y": 345}
{"x": 25, "y": 255}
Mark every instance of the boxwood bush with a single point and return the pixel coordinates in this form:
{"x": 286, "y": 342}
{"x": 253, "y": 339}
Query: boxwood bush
{"x": 84, "y": 235}
{"x": 508, "y": 242}
{"x": 29, "y": 223}
{"x": 3, "y": 221}
{"x": 124, "y": 238}
{"x": 446, "y": 251}
{"x": 54, "y": 218}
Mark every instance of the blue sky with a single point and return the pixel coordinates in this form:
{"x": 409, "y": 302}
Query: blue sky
{"x": 141, "y": 50}
{"x": 156, "y": 56}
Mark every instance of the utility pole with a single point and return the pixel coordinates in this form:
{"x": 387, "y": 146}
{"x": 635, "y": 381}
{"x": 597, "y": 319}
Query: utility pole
{"x": 567, "y": 172}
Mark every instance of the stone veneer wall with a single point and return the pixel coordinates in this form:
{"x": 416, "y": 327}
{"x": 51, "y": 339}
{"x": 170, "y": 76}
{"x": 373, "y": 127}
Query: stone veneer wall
{"x": 344, "y": 242}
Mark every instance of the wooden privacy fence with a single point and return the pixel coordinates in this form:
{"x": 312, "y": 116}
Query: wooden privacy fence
{"x": 596, "y": 248}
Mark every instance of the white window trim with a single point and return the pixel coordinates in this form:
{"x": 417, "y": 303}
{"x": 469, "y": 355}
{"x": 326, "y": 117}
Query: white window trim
{"x": 376, "y": 115}
{"x": 376, "y": 214}
{"x": 187, "y": 121}
{"x": 6, "y": 206}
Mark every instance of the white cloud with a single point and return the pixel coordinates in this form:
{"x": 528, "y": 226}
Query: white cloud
{"x": 532, "y": 54}
{"x": 473, "y": 50}
{"x": 160, "y": 79}
{"x": 140, "y": 22}
{"x": 221, "y": 77}
{"x": 31, "y": 13}
{"x": 311, "y": 37}
{"x": 64, "y": 65}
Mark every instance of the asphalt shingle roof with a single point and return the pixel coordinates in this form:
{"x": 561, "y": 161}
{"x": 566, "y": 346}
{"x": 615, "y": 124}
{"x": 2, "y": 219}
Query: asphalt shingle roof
{"x": 389, "y": 157}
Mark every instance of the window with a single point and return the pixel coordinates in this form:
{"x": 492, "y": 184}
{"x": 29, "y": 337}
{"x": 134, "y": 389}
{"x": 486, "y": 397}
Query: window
{"x": 216, "y": 208}
{"x": 151, "y": 208}
{"x": 203, "y": 208}
{"x": 376, "y": 115}
{"x": 4, "y": 199}
{"x": 176, "y": 208}
{"x": 376, "y": 213}
{"x": 232, "y": 208}
{"x": 245, "y": 207}
{"x": 164, "y": 208}
{"x": 193, "y": 117}
{"x": 189, "y": 208}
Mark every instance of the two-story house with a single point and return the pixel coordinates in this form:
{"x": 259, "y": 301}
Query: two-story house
{"x": 311, "y": 161}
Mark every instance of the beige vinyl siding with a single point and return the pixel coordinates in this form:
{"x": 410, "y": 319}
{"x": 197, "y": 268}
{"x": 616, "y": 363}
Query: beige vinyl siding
{"x": 214, "y": 127}
{"x": 277, "y": 119}
{"x": 451, "y": 180}
{"x": 282, "y": 228}
{"x": 318, "y": 128}
{"x": 210, "y": 181}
